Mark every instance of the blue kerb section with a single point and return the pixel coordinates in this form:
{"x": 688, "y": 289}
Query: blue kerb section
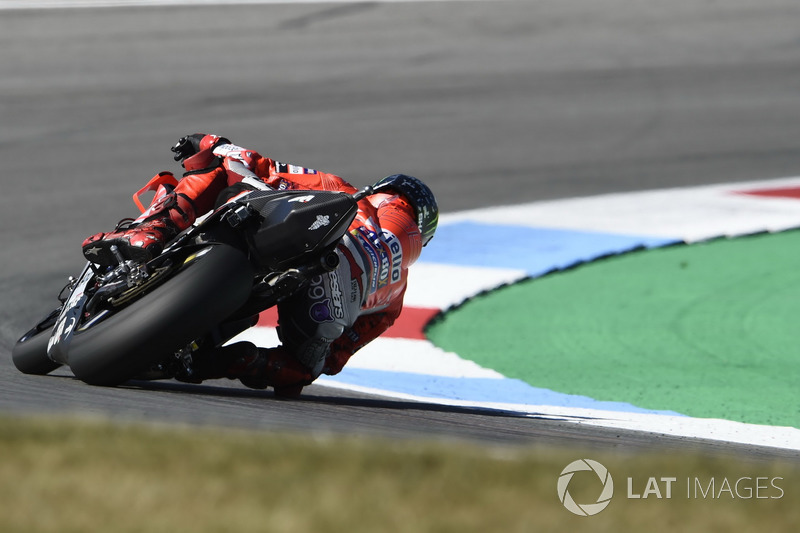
{"x": 512, "y": 391}
{"x": 534, "y": 250}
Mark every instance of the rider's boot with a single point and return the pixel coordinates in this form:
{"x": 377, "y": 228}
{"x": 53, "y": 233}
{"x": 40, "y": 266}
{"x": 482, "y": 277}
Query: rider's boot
{"x": 174, "y": 209}
{"x": 143, "y": 239}
{"x": 256, "y": 368}
{"x": 272, "y": 367}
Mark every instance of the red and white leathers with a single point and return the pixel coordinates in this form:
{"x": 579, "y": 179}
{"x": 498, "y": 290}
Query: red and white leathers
{"x": 340, "y": 311}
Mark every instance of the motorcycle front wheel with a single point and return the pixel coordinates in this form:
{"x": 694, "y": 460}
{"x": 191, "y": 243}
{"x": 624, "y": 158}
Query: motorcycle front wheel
{"x": 30, "y": 352}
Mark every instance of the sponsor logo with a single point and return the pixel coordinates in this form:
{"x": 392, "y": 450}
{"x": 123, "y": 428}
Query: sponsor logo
{"x": 326, "y": 307}
{"x": 225, "y": 150}
{"x": 68, "y": 329}
{"x": 322, "y": 221}
{"x": 302, "y": 199}
{"x": 397, "y": 255}
{"x": 385, "y": 253}
{"x": 320, "y": 312}
{"x": 354, "y": 290}
{"x": 284, "y": 168}
{"x": 362, "y": 237}
{"x": 336, "y": 295}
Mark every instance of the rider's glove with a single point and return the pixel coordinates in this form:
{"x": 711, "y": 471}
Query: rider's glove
{"x": 187, "y": 146}
{"x": 194, "y": 143}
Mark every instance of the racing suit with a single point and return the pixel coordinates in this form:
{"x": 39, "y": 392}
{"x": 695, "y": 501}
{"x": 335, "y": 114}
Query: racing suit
{"x": 341, "y": 311}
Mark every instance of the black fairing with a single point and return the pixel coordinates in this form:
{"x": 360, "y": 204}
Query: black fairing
{"x": 298, "y": 225}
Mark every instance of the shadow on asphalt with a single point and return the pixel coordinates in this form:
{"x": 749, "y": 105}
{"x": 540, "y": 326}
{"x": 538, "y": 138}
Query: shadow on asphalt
{"x": 314, "y": 395}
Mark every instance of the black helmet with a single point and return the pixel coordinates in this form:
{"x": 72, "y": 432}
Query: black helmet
{"x": 419, "y": 196}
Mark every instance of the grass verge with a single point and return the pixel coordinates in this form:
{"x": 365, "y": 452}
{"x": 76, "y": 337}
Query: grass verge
{"x": 84, "y": 476}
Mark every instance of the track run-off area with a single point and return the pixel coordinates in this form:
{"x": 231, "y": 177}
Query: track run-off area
{"x": 603, "y": 128}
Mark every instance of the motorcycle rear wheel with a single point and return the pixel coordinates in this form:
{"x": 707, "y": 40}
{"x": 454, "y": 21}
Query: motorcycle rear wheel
{"x": 209, "y": 286}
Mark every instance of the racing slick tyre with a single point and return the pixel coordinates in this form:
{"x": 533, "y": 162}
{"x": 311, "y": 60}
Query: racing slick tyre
{"x": 30, "y": 352}
{"x": 207, "y": 288}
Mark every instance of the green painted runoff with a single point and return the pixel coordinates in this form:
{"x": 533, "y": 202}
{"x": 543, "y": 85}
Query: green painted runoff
{"x": 708, "y": 330}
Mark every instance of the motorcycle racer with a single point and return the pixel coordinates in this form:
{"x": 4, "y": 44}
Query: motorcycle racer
{"x": 339, "y": 312}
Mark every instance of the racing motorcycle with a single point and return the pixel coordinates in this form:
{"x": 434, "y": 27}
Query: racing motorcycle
{"x": 151, "y": 320}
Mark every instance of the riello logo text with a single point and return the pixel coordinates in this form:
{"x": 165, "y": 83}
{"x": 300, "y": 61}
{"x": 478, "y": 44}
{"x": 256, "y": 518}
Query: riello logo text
{"x": 743, "y": 488}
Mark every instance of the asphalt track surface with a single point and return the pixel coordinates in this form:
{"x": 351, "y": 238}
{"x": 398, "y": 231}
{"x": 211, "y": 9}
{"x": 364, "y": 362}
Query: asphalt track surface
{"x": 492, "y": 103}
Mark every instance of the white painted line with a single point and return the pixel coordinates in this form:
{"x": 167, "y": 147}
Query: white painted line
{"x": 691, "y": 214}
{"x": 417, "y": 357}
{"x": 443, "y": 286}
